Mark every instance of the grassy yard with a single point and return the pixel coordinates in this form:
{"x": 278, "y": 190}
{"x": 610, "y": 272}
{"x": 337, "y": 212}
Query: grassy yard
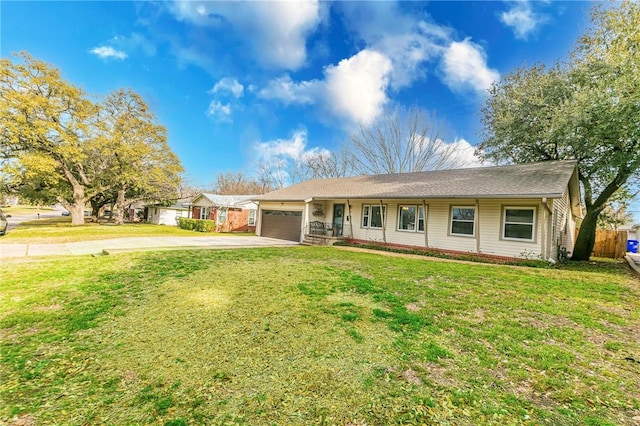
{"x": 305, "y": 336}
{"x": 26, "y": 210}
{"x": 59, "y": 230}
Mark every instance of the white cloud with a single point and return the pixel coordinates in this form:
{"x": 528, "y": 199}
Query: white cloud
{"x": 219, "y": 111}
{"x": 408, "y": 52}
{"x": 407, "y": 40}
{"x": 464, "y": 154}
{"x": 356, "y": 87}
{"x": 134, "y": 42}
{"x": 281, "y": 156}
{"x": 192, "y": 56}
{"x": 229, "y": 85}
{"x": 521, "y": 18}
{"x": 414, "y": 43}
{"x": 276, "y": 31}
{"x": 464, "y": 65}
{"x": 289, "y": 92}
{"x": 354, "y": 90}
{"x": 292, "y": 148}
{"x": 107, "y": 52}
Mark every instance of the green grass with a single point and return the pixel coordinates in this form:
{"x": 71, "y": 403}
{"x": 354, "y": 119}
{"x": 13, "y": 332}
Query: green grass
{"x": 60, "y": 230}
{"x": 307, "y": 336}
{"x": 25, "y": 210}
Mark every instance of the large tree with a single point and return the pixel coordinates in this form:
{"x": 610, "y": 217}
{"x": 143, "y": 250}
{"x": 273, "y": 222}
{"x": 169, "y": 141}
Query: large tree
{"x": 586, "y": 109}
{"x": 58, "y": 144}
{"x": 402, "y": 141}
{"x": 141, "y": 164}
{"x": 238, "y": 184}
{"x": 48, "y": 123}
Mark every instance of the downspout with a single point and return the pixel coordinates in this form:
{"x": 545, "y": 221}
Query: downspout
{"x": 477, "y": 226}
{"x": 384, "y": 224}
{"x": 424, "y": 213}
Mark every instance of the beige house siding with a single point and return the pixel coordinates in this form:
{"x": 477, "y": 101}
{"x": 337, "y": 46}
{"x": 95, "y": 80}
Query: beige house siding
{"x": 565, "y": 225}
{"x": 488, "y": 227}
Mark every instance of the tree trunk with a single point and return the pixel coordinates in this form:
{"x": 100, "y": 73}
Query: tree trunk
{"x": 95, "y": 210}
{"x": 586, "y": 236}
{"x": 118, "y": 212}
{"x": 77, "y": 207}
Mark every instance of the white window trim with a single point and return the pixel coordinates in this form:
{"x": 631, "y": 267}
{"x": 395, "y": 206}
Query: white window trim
{"x": 416, "y": 227}
{"x": 533, "y": 224}
{"x": 204, "y": 213}
{"x": 223, "y": 212}
{"x": 368, "y": 226}
{"x": 475, "y": 217}
{"x": 251, "y": 221}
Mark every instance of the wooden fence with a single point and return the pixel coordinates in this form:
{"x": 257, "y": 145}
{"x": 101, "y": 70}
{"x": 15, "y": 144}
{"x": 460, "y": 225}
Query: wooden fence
{"x": 611, "y": 244}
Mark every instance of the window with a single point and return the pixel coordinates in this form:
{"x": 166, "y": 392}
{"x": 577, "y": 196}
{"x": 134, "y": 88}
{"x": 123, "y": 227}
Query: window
{"x": 204, "y": 213}
{"x": 252, "y": 218}
{"x": 371, "y": 217}
{"x": 518, "y": 223}
{"x": 407, "y": 218}
{"x": 463, "y": 220}
{"x": 222, "y": 215}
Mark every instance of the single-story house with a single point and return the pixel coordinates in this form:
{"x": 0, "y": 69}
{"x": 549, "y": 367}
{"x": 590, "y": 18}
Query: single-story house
{"x": 165, "y": 215}
{"x": 232, "y": 213}
{"x": 516, "y": 211}
{"x": 632, "y": 230}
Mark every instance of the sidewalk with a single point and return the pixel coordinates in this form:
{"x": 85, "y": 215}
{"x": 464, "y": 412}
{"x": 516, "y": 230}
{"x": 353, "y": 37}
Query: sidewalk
{"x": 8, "y": 250}
{"x": 634, "y": 261}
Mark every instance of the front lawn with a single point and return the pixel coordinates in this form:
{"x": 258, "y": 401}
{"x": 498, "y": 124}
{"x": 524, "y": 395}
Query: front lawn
{"x": 60, "y": 230}
{"x": 313, "y": 335}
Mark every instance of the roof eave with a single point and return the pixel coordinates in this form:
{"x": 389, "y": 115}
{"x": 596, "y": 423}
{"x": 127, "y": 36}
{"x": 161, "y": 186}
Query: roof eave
{"x": 410, "y": 197}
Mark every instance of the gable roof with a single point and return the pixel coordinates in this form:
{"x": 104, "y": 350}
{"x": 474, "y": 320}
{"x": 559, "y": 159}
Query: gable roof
{"x": 531, "y": 180}
{"x": 235, "y": 201}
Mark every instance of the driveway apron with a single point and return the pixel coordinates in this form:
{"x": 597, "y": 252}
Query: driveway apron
{"x": 8, "y": 250}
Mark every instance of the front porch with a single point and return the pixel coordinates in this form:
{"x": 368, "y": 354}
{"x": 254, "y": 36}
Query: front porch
{"x": 318, "y": 233}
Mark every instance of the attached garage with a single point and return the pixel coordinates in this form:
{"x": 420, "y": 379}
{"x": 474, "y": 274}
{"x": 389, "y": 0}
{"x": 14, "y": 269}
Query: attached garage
{"x": 281, "y": 224}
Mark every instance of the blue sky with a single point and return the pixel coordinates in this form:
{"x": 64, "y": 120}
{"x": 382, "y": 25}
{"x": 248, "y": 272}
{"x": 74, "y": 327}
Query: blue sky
{"x": 241, "y": 82}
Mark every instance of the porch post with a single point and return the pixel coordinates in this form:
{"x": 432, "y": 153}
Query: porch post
{"x": 477, "y": 226}
{"x": 350, "y": 219}
{"x": 384, "y": 223}
{"x": 424, "y": 213}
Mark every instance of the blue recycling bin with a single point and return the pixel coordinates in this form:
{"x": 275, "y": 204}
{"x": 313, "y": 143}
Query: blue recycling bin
{"x": 632, "y": 246}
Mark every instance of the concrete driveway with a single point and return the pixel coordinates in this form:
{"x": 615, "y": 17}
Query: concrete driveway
{"x": 634, "y": 261}
{"x": 8, "y": 250}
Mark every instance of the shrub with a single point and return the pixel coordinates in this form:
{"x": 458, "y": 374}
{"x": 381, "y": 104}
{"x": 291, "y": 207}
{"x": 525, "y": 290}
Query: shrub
{"x": 200, "y": 225}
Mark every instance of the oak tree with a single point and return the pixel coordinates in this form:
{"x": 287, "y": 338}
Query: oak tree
{"x": 47, "y": 122}
{"x": 586, "y": 109}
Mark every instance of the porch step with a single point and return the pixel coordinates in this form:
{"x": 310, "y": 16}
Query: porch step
{"x": 319, "y": 240}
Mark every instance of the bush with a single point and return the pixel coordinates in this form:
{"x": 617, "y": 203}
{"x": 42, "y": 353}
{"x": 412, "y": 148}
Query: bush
{"x": 200, "y": 225}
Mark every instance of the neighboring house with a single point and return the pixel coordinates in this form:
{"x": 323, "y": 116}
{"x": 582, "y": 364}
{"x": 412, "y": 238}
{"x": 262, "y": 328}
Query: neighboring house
{"x": 232, "y": 213}
{"x": 135, "y": 211}
{"x": 526, "y": 210}
{"x": 166, "y": 215}
{"x": 633, "y": 231}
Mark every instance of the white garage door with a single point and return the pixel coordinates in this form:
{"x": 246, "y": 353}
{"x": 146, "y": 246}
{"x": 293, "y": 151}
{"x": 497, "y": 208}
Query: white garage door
{"x": 284, "y": 225}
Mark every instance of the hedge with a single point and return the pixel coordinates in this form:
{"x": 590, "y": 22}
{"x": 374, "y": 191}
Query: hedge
{"x": 200, "y": 225}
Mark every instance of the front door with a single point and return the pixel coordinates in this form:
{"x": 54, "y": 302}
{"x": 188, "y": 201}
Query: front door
{"x": 338, "y": 219}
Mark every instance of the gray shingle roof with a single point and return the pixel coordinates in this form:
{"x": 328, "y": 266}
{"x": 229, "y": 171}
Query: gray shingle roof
{"x": 543, "y": 179}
